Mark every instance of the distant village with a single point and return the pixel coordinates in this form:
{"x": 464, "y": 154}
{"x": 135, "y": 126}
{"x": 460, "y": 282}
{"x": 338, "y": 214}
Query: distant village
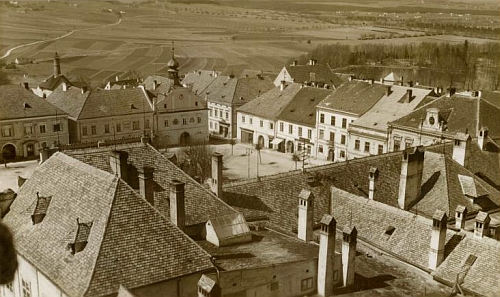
{"x": 411, "y": 171}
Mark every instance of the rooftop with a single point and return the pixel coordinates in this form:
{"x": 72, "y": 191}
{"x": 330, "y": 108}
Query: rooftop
{"x": 302, "y": 108}
{"x": 52, "y": 82}
{"x": 18, "y": 103}
{"x": 322, "y": 74}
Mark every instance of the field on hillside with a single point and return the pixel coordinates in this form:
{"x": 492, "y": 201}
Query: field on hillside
{"x": 112, "y": 39}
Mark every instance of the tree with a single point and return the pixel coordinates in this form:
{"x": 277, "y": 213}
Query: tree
{"x": 196, "y": 161}
{"x": 296, "y": 158}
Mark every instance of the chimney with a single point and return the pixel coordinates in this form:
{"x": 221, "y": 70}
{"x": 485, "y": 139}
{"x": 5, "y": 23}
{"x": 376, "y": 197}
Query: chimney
{"x": 417, "y": 83}
{"x": 216, "y": 185}
{"x": 388, "y": 91}
{"x": 146, "y": 184}
{"x": 294, "y": 63}
{"x": 482, "y": 140}
{"x": 326, "y": 255}
{"x": 460, "y": 214}
{"x": 118, "y": 164}
{"x": 84, "y": 89}
{"x": 64, "y": 86}
{"x": 208, "y": 287}
{"x": 26, "y": 85}
{"x": 409, "y": 94}
{"x": 349, "y": 240}
{"x": 410, "y": 180}
{"x": 438, "y": 238}
{"x": 310, "y": 62}
{"x": 306, "y": 215}
{"x": 116, "y": 78}
{"x": 371, "y": 187}
{"x": 461, "y": 148}
{"x": 451, "y": 91}
{"x": 282, "y": 85}
{"x": 312, "y": 77}
{"x": 482, "y": 226}
{"x": 177, "y": 204}
{"x": 371, "y": 81}
{"x": 155, "y": 84}
{"x": 57, "y": 65}
{"x": 410, "y": 84}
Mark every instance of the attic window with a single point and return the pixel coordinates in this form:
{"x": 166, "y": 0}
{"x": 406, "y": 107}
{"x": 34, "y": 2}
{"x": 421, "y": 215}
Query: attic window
{"x": 468, "y": 186}
{"x": 132, "y": 106}
{"x": 80, "y": 237}
{"x": 42, "y": 203}
{"x": 311, "y": 114}
{"x": 390, "y": 230}
{"x": 26, "y": 105}
{"x": 470, "y": 260}
{"x": 241, "y": 98}
{"x": 292, "y": 110}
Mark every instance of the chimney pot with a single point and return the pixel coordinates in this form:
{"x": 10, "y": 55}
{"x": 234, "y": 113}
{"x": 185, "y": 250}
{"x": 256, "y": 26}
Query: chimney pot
{"x": 482, "y": 225}
{"x": 411, "y": 176}
{"x": 438, "y": 238}
{"x": 326, "y": 257}
{"x": 460, "y": 216}
{"x": 306, "y": 215}
{"x": 461, "y": 149}
{"x": 26, "y": 85}
{"x": 177, "y": 203}
{"x": 64, "y": 86}
{"x": 118, "y": 163}
{"x": 349, "y": 242}
{"x": 388, "y": 91}
{"x": 409, "y": 93}
{"x": 146, "y": 183}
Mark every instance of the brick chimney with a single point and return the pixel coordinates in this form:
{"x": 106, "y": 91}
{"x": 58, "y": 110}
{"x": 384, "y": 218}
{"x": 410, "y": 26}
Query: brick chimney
{"x": 373, "y": 174}
{"x": 482, "y": 226}
{"x": 349, "y": 241}
{"x": 460, "y": 214}
{"x": 208, "y": 287}
{"x": 177, "y": 204}
{"x": 410, "y": 179}
{"x": 461, "y": 148}
{"x": 326, "y": 255}
{"x": 294, "y": 63}
{"x": 409, "y": 94}
{"x": 282, "y": 85}
{"x": 118, "y": 164}
{"x": 146, "y": 184}
{"x": 388, "y": 90}
{"x": 26, "y": 85}
{"x": 482, "y": 138}
{"x": 216, "y": 183}
{"x": 64, "y": 86}
{"x": 438, "y": 238}
{"x": 306, "y": 215}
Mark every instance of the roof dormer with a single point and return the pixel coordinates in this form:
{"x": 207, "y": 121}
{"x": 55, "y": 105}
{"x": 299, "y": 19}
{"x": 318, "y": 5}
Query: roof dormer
{"x": 432, "y": 120}
{"x": 80, "y": 237}
{"x": 42, "y": 204}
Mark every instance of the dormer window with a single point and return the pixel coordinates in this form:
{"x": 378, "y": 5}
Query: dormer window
{"x": 80, "y": 237}
{"x": 42, "y": 204}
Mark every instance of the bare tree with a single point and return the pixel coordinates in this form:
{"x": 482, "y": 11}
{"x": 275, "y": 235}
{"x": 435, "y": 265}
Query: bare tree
{"x": 196, "y": 161}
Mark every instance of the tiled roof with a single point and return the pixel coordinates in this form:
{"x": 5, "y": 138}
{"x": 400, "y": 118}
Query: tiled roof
{"x": 461, "y": 114}
{"x": 322, "y": 74}
{"x": 392, "y": 107}
{"x": 199, "y": 81}
{"x": 201, "y": 204}
{"x": 482, "y": 277}
{"x": 355, "y": 97}
{"x": 51, "y": 82}
{"x": 302, "y": 109}
{"x": 129, "y": 242}
{"x": 392, "y": 77}
{"x": 108, "y": 103}
{"x": 270, "y": 104}
{"x": 221, "y": 90}
{"x": 17, "y": 103}
{"x": 249, "y": 88}
{"x": 163, "y": 84}
{"x": 71, "y": 100}
{"x": 492, "y": 97}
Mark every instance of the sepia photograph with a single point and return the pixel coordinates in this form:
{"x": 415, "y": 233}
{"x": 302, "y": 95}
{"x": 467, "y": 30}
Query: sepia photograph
{"x": 249, "y": 148}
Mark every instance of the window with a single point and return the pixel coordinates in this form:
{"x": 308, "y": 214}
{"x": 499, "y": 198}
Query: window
{"x": 407, "y": 143}
{"x": 282, "y": 127}
{"x": 380, "y": 149}
{"x": 211, "y": 125}
{"x": 175, "y": 122}
{"x": 309, "y": 133}
{"x": 397, "y": 145}
{"x": 290, "y": 128}
{"x": 118, "y": 127}
{"x": 165, "y": 123}
{"x": 227, "y": 115}
{"x": 106, "y": 128}
{"x": 135, "y": 125}
{"x": 356, "y": 144}
{"x": 367, "y": 147}
{"x": 242, "y": 119}
{"x": 251, "y": 121}
{"x": 320, "y": 149}
{"x": 271, "y": 126}
{"x": 42, "y": 128}
{"x": 212, "y": 115}
{"x": 7, "y": 131}
{"x": 321, "y": 134}
{"x": 84, "y": 130}
{"x": 261, "y": 123}
{"x": 93, "y": 129}
{"x": 300, "y": 131}
{"x": 332, "y": 120}
{"x": 9, "y": 287}
{"x": 28, "y": 129}
{"x": 216, "y": 112}
{"x": 344, "y": 123}
{"x": 306, "y": 284}
{"x": 332, "y": 136}
{"x": 342, "y": 154}
{"x": 308, "y": 149}
{"x": 191, "y": 120}
{"x": 321, "y": 118}
{"x": 184, "y": 121}
{"x": 342, "y": 139}
{"x": 146, "y": 124}
{"x": 275, "y": 286}
{"x": 57, "y": 127}
{"x": 26, "y": 288}
{"x": 199, "y": 120}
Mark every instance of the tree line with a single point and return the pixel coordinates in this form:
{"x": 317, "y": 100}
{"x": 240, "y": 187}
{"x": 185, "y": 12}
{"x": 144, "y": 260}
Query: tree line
{"x": 465, "y": 65}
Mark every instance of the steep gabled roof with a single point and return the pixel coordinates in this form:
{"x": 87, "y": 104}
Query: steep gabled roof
{"x": 461, "y": 114}
{"x": 354, "y": 97}
{"x": 17, "y": 103}
{"x": 302, "y": 108}
{"x": 52, "y": 82}
{"x": 199, "y": 80}
{"x": 322, "y": 74}
{"x": 201, "y": 204}
{"x": 71, "y": 101}
{"x": 163, "y": 84}
{"x": 129, "y": 242}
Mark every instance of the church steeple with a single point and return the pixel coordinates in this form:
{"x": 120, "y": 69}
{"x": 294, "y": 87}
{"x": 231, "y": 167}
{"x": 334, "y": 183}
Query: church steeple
{"x": 57, "y": 65}
{"x": 173, "y": 65}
